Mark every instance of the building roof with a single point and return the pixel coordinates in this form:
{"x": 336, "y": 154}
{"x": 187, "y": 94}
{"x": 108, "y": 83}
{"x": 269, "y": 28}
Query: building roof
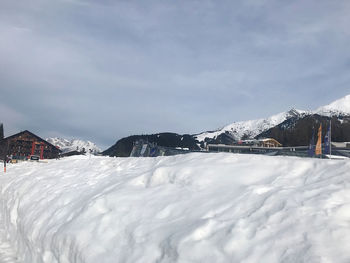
{"x": 269, "y": 139}
{"x": 36, "y": 136}
{"x": 340, "y": 144}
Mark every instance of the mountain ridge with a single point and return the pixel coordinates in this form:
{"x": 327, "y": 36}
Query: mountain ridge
{"x": 252, "y": 128}
{"x": 337, "y": 107}
{"x": 74, "y": 145}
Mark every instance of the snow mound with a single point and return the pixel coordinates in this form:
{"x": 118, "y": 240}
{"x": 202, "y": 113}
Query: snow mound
{"x": 189, "y": 208}
{"x": 338, "y": 107}
{"x": 251, "y": 128}
{"x": 74, "y": 145}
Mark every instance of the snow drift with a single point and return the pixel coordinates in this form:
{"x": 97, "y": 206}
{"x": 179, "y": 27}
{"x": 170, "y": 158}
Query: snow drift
{"x": 189, "y": 208}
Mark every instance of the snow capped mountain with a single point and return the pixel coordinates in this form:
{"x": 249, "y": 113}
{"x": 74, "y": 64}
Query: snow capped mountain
{"x": 74, "y": 145}
{"x": 338, "y": 107}
{"x": 252, "y": 128}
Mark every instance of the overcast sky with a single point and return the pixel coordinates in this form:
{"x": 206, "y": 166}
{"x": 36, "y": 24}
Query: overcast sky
{"x": 101, "y": 70}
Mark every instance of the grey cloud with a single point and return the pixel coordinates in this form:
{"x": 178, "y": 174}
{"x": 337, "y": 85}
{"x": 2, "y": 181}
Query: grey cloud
{"x": 101, "y": 70}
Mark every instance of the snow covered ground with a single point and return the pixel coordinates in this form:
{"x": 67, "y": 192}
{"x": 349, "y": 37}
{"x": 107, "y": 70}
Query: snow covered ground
{"x": 188, "y": 208}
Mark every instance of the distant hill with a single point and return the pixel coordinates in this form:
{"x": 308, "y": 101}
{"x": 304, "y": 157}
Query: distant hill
{"x": 123, "y": 147}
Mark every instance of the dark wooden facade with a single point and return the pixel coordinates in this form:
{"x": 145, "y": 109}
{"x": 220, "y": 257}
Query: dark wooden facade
{"x": 24, "y": 144}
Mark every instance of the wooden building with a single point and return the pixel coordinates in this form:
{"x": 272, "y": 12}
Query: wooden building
{"x": 25, "y": 144}
{"x": 269, "y": 142}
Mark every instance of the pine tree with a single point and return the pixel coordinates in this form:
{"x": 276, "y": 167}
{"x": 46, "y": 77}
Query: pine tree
{"x": 2, "y": 143}
{"x": 1, "y": 131}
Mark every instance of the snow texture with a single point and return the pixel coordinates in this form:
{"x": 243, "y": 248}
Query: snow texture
{"x": 74, "y": 145}
{"x": 189, "y": 208}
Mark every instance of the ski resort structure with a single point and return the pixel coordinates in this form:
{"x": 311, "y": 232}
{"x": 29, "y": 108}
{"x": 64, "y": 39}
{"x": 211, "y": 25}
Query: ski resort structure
{"x": 25, "y": 144}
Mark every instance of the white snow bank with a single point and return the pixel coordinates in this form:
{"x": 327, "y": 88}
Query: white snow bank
{"x": 188, "y": 208}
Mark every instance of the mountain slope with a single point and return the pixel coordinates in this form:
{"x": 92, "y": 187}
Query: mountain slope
{"x": 255, "y": 128}
{"x": 251, "y": 128}
{"x": 298, "y": 131}
{"x": 338, "y": 107}
{"x": 74, "y": 145}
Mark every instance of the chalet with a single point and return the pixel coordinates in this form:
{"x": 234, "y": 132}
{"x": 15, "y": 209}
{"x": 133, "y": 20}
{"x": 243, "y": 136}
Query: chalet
{"x": 268, "y": 142}
{"x": 265, "y": 142}
{"x": 25, "y": 144}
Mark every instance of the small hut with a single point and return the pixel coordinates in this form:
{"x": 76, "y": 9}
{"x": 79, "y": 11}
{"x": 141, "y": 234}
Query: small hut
{"x": 269, "y": 142}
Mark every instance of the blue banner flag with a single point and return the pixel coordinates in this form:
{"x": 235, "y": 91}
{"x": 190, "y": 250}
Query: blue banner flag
{"x": 327, "y": 141}
{"x": 311, "y": 150}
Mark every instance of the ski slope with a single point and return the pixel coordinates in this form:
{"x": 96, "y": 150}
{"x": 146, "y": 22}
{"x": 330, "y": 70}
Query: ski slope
{"x": 188, "y": 208}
